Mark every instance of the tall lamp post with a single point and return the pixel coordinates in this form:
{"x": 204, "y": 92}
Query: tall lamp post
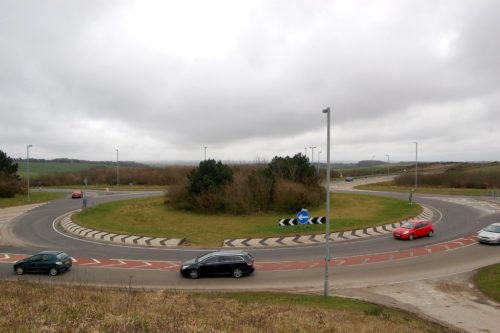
{"x": 327, "y": 232}
{"x": 305, "y": 151}
{"x": 312, "y": 154}
{"x": 28, "y": 167}
{"x": 388, "y": 163}
{"x": 416, "y": 164}
{"x": 205, "y": 155}
{"x": 117, "y": 169}
{"x": 319, "y": 153}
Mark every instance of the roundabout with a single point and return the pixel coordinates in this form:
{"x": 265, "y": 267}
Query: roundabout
{"x": 363, "y": 262}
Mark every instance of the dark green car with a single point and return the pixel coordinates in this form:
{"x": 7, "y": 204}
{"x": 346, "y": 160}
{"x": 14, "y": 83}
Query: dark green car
{"x": 52, "y": 262}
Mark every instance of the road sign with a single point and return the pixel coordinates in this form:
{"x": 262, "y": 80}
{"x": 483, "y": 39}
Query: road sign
{"x": 303, "y": 216}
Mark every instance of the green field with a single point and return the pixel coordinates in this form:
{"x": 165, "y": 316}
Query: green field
{"x": 390, "y": 187}
{"x": 487, "y": 280}
{"x": 151, "y": 217}
{"x": 35, "y": 197}
{"x": 46, "y": 167}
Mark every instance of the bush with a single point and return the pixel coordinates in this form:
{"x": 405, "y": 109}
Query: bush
{"x": 291, "y": 197}
{"x": 9, "y": 186}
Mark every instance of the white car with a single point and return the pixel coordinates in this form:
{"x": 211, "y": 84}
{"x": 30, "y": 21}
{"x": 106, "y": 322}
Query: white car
{"x": 490, "y": 234}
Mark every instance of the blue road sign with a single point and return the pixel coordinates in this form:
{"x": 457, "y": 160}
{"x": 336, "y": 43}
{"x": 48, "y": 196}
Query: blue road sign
{"x": 303, "y": 216}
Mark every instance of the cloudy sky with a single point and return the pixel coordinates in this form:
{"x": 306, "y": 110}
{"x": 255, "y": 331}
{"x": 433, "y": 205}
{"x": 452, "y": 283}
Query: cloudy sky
{"x": 160, "y": 80}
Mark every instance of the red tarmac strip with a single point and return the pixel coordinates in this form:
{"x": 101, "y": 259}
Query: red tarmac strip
{"x": 269, "y": 266}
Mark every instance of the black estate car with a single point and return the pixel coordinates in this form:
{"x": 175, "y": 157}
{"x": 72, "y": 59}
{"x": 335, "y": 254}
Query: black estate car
{"x": 52, "y": 262}
{"x": 235, "y": 263}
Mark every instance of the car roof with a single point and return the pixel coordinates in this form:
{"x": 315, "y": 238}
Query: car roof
{"x": 50, "y": 252}
{"x": 222, "y": 253}
{"x": 420, "y": 220}
{"x": 496, "y": 223}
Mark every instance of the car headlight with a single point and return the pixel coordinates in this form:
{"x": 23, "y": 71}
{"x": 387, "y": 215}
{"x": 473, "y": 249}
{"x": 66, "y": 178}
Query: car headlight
{"x": 59, "y": 263}
{"x": 184, "y": 266}
{"x": 406, "y": 232}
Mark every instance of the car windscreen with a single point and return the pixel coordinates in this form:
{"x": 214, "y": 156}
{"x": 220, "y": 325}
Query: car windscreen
{"x": 203, "y": 257}
{"x": 492, "y": 228}
{"x": 407, "y": 225}
{"x": 62, "y": 256}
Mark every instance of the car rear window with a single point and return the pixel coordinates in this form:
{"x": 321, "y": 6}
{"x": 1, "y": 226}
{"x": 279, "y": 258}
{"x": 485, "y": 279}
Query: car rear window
{"x": 407, "y": 225}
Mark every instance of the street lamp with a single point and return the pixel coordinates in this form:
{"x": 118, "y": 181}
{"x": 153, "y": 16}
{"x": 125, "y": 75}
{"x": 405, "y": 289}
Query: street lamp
{"x": 28, "y": 167}
{"x": 327, "y": 231}
{"x": 319, "y": 153}
{"x": 416, "y": 163}
{"x": 205, "y": 156}
{"x": 117, "y": 169}
{"x": 305, "y": 151}
{"x": 388, "y": 163}
{"x": 312, "y": 154}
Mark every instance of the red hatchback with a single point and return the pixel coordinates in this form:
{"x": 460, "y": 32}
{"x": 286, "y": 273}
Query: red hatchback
{"x": 413, "y": 229}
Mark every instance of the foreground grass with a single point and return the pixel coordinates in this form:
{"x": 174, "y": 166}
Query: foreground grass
{"x": 35, "y": 197}
{"x": 33, "y": 307}
{"x": 151, "y": 217}
{"x": 487, "y": 280}
{"x": 390, "y": 187}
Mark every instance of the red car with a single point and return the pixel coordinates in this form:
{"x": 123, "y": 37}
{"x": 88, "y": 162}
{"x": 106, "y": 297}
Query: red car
{"x": 77, "y": 195}
{"x": 413, "y": 229}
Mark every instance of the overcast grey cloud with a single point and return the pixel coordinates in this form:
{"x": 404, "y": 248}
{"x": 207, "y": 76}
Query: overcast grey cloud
{"x": 162, "y": 79}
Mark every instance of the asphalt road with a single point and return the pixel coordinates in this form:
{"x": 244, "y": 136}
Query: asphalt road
{"x": 34, "y": 232}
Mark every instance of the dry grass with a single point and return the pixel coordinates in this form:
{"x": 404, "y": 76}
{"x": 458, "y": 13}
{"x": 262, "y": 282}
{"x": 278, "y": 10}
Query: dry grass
{"x": 33, "y": 307}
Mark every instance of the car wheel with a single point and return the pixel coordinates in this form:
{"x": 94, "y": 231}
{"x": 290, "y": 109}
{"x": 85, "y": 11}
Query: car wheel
{"x": 19, "y": 271}
{"x": 193, "y": 274}
{"x": 431, "y": 233}
{"x": 411, "y": 237}
{"x": 237, "y": 273}
{"x": 53, "y": 272}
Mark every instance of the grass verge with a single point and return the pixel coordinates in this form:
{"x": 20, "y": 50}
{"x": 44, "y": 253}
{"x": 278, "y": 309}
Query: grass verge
{"x": 35, "y": 197}
{"x": 390, "y": 187}
{"x": 487, "y": 279}
{"x": 35, "y": 307}
{"x": 151, "y": 217}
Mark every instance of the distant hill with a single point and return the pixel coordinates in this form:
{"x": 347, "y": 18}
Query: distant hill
{"x": 369, "y": 163}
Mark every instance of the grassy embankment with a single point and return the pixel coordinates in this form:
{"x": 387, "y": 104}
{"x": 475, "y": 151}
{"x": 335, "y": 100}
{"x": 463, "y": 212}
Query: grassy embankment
{"x": 151, "y": 217}
{"x": 487, "y": 280}
{"x": 460, "y": 179}
{"x": 45, "y": 167}
{"x": 33, "y": 307}
{"x": 391, "y": 187}
{"x": 35, "y": 197}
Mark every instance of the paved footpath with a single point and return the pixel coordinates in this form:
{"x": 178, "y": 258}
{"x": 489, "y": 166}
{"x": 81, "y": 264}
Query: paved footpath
{"x": 10, "y": 213}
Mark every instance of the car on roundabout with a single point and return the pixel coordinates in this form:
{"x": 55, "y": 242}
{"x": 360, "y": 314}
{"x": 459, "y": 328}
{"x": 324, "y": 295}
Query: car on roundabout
{"x": 349, "y": 179}
{"x": 490, "y": 234}
{"x": 77, "y": 195}
{"x": 235, "y": 263}
{"x": 414, "y": 228}
{"x": 51, "y": 262}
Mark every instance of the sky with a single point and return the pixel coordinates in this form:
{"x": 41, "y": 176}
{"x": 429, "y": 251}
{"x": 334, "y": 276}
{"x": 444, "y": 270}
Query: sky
{"x": 161, "y": 80}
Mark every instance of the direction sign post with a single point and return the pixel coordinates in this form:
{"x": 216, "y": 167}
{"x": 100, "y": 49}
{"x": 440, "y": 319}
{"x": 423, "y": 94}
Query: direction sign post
{"x": 303, "y": 216}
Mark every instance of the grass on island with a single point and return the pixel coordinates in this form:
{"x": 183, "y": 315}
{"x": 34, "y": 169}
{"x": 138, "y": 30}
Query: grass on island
{"x": 35, "y": 197}
{"x": 35, "y": 307}
{"x": 390, "y": 187}
{"x": 487, "y": 280}
{"x": 151, "y": 217}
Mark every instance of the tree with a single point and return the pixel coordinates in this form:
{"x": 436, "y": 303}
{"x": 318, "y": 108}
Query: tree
{"x": 9, "y": 180}
{"x": 297, "y": 169}
{"x": 209, "y": 176}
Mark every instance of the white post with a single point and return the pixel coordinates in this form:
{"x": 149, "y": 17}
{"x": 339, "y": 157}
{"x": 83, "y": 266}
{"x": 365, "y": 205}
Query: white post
{"x": 28, "y": 168}
{"x": 117, "y": 170}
